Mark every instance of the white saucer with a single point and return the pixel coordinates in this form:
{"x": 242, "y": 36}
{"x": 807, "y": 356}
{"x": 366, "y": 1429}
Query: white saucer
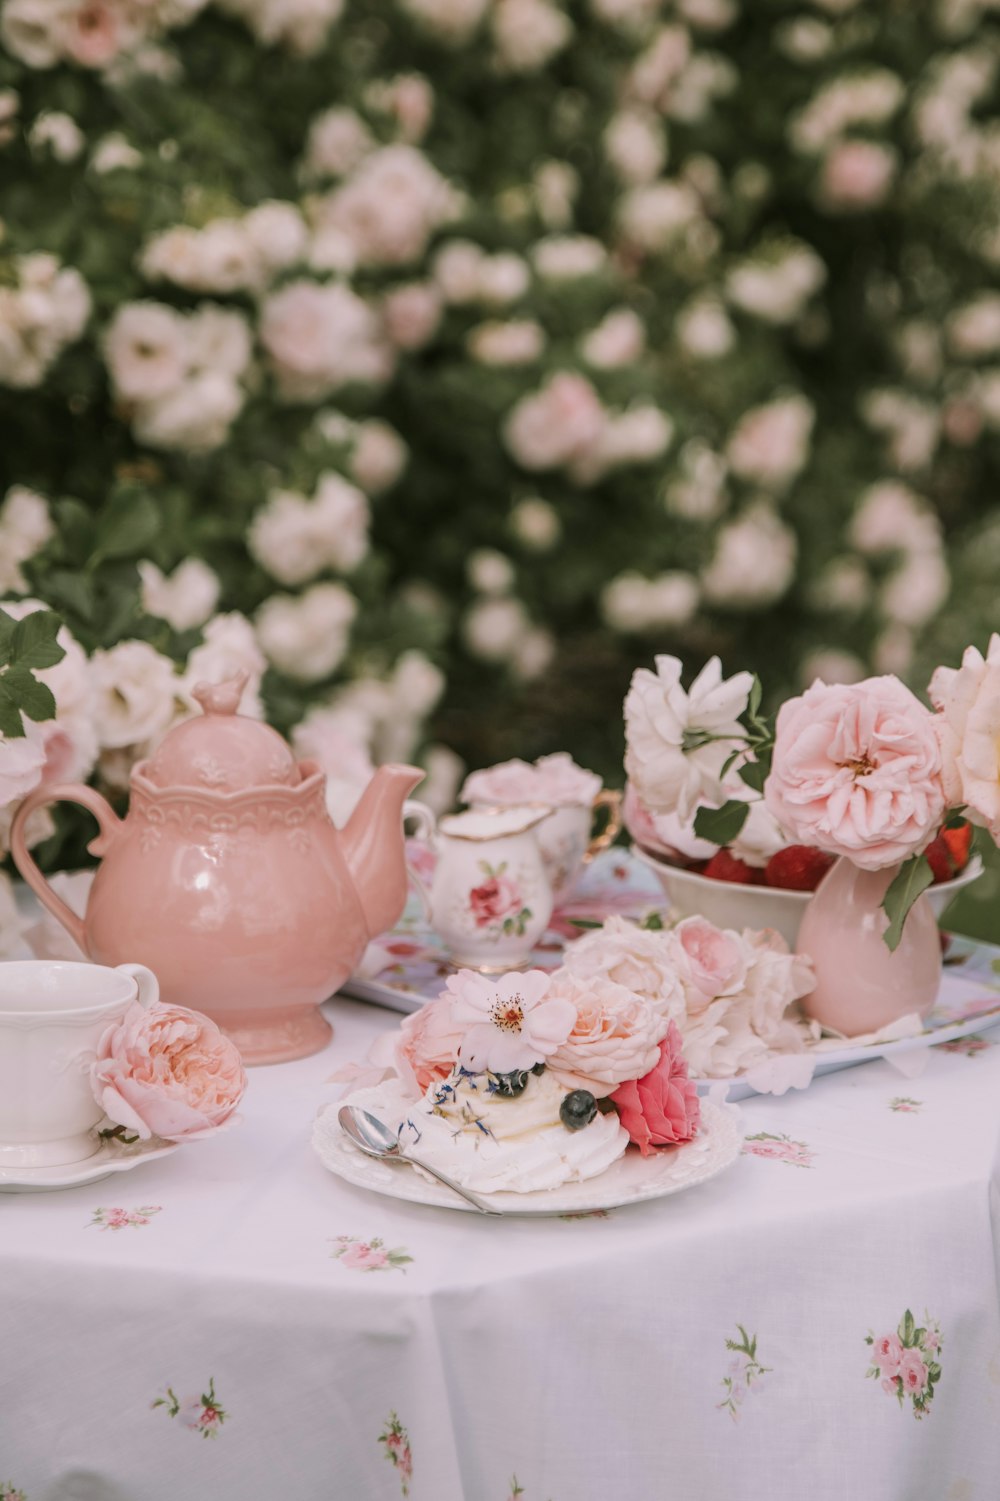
{"x": 110, "y": 1157}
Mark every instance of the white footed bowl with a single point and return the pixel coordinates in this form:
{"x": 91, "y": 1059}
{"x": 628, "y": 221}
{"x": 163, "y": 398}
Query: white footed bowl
{"x": 729, "y": 905}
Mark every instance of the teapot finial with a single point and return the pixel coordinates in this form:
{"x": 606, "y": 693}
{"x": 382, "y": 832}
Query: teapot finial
{"x": 221, "y": 698}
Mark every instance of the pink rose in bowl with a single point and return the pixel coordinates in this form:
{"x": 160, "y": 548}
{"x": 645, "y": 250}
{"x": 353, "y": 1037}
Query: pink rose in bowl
{"x": 616, "y": 1034}
{"x": 661, "y": 1108}
{"x": 168, "y": 1072}
{"x": 857, "y": 772}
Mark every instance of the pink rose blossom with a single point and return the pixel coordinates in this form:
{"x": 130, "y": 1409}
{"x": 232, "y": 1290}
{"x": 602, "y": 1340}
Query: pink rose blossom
{"x": 93, "y": 38}
{"x": 427, "y": 1044}
{"x": 662, "y": 1107}
{"x": 364, "y": 1258}
{"x": 887, "y": 1354}
{"x": 509, "y": 1022}
{"x": 857, "y": 175}
{"x": 554, "y": 779}
{"x": 497, "y": 898}
{"x": 713, "y": 961}
{"x": 562, "y": 422}
{"x": 167, "y": 1072}
{"x": 913, "y": 1371}
{"x": 857, "y": 771}
{"x": 615, "y": 1036}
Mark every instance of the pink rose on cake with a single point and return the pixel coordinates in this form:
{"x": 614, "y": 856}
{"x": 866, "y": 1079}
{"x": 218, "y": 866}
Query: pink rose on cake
{"x": 615, "y": 1035}
{"x": 168, "y": 1072}
{"x": 508, "y": 1023}
{"x": 640, "y": 959}
{"x": 857, "y": 771}
{"x": 426, "y": 1046}
{"x": 662, "y": 1107}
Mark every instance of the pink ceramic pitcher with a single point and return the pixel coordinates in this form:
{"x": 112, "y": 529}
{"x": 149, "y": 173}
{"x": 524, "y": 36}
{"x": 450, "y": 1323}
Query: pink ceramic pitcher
{"x": 230, "y": 881}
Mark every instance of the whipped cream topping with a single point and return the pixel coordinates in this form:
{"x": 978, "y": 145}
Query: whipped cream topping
{"x": 493, "y": 1144}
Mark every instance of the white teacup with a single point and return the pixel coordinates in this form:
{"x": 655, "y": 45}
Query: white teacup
{"x": 52, "y": 1017}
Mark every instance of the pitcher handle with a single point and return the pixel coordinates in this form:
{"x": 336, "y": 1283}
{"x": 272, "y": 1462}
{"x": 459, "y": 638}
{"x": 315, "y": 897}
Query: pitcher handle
{"x": 72, "y": 792}
{"x": 611, "y": 799}
{"x": 426, "y": 828}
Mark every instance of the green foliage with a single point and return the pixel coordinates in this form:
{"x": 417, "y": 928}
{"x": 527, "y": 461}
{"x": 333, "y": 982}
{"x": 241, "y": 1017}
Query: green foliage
{"x": 26, "y": 646}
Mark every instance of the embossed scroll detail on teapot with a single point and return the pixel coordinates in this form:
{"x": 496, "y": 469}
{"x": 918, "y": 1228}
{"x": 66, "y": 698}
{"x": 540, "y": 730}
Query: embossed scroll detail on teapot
{"x": 229, "y": 879}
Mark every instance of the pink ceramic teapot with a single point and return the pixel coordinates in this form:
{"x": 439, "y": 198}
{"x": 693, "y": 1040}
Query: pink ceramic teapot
{"x": 230, "y": 881}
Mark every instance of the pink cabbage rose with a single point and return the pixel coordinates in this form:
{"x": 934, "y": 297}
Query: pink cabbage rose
{"x": 662, "y": 1107}
{"x": 496, "y": 898}
{"x": 711, "y": 961}
{"x": 887, "y": 1354}
{"x": 615, "y": 1036}
{"x": 968, "y": 728}
{"x": 913, "y": 1371}
{"x": 426, "y": 1046}
{"x": 640, "y": 959}
{"x": 508, "y": 1022}
{"x": 857, "y": 771}
{"x": 168, "y": 1072}
{"x": 364, "y": 1258}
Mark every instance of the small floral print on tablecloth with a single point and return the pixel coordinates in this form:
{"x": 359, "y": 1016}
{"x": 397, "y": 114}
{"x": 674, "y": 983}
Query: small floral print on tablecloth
{"x": 9, "y": 1492}
{"x": 369, "y": 1255}
{"x": 907, "y": 1361}
{"x": 779, "y": 1147}
{"x": 395, "y": 1442}
{"x": 744, "y": 1373}
{"x": 122, "y": 1219}
{"x": 902, "y": 1104}
{"x": 201, "y": 1414}
{"x": 969, "y": 1047}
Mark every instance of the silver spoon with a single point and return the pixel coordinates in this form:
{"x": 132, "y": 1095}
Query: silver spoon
{"x": 375, "y": 1138}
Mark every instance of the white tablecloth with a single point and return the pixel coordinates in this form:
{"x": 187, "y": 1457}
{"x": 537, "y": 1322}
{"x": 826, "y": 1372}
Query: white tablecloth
{"x": 588, "y": 1358}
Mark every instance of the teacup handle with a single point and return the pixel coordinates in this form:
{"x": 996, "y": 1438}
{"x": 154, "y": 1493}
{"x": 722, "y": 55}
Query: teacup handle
{"x": 146, "y": 984}
{"x": 611, "y": 799}
{"x": 72, "y": 792}
{"x": 426, "y": 828}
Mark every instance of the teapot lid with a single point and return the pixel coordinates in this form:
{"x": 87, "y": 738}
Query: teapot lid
{"x": 222, "y": 750}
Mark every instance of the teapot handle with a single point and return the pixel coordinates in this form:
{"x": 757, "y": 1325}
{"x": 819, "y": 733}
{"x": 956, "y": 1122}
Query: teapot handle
{"x": 73, "y": 792}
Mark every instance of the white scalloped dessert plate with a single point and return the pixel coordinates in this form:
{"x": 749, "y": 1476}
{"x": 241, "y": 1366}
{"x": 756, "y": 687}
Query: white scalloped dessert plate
{"x": 631, "y": 1180}
{"x": 110, "y": 1157}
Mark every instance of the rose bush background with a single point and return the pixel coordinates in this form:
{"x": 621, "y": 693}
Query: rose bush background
{"x": 439, "y": 360}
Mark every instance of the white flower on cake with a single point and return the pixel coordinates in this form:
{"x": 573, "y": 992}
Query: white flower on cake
{"x": 511, "y": 1022}
{"x": 677, "y": 742}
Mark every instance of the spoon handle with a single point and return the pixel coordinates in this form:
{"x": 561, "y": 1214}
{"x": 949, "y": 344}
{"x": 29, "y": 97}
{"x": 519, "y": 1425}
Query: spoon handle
{"x": 465, "y": 1193}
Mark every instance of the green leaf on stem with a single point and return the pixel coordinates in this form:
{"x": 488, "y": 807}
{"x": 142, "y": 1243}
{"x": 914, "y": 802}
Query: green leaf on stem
{"x": 29, "y": 695}
{"x": 34, "y": 643}
{"x": 753, "y": 774}
{"x": 913, "y": 877}
{"x": 721, "y": 825}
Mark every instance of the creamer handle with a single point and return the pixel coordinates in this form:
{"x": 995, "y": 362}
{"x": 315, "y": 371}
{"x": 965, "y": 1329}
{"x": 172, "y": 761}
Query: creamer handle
{"x": 426, "y": 829}
{"x": 72, "y": 792}
{"x": 612, "y": 801}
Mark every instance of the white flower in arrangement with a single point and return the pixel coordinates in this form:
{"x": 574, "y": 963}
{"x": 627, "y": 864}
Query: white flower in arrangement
{"x": 761, "y": 835}
{"x": 653, "y": 217}
{"x": 493, "y": 629}
{"x": 449, "y": 21}
{"x": 300, "y": 25}
{"x": 25, "y": 527}
{"x": 389, "y": 207}
{"x": 617, "y": 341}
{"x": 320, "y": 338}
{"x": 536, "y": 523}
{"x": 636, "y": 958}
{"x": 528, "y": 33}
{"x": 559, "y": 424}
{"x": 566, "y": 257}
{"x": 379, "y": 456}
{"x": 294, "y": 539}
{"x": 632, "y": 602}
{"x": 869, "y": 98}
{"x": 228, "y": 646}
{"x": 857, "y": 176}
{"x": 753, "y": 563}
{"x": 412, "y": 314}
{"x": 967, "y": 699}
{"x": 56, "y": 133}
{"x": 337, "y": 142}
{"x": 704, "y": 330}
{"x": 306, "y": 636}
{"x": 770, "y": 444}
{"x": 518, "y": 342}
{"x": 973, "y": 330}
{"x": 777, "y": 282}
{"x": 185, "y": 598}
{"x": 489, "y": 571}
{"x": 677, "y": 742}
{"x": 114, "y": 153}
{"x": 635, "y": 143}
{"x": 45, "y": 310}
{"x": 557, "y": 187}
{"x": 136, "y": 692}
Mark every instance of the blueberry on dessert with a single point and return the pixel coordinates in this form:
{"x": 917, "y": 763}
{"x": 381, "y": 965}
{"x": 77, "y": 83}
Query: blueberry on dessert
{"x": 509, "y": 1086}
{"x": 578, "y": 1109}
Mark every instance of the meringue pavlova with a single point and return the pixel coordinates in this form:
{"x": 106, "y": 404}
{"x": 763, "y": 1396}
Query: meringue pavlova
{"x": 527, "y": 1081}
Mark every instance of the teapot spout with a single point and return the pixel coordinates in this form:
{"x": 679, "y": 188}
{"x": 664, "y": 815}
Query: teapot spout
{"x": 372, "y": 842}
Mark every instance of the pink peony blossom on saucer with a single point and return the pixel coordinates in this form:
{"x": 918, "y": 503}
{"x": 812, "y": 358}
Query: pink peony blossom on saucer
{"x": 615, "y": 1035}
{"x": 168, "y": 1072}
{"x": 509, "y": 1022}
{"x": 662, "y": 1107}
{"x": 857, "y": 771}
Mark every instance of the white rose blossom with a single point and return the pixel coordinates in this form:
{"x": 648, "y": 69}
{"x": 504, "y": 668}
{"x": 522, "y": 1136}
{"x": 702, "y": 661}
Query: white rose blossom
{"x": 320, "y": 338}
{"x": 389, "y": 207}
{"x": 136, "y": 692}
{"x": 306, "y": 636}
{"x": 46, "y": 309}
{"x": 184, "y": 599}
{"x": 294, "y": 539}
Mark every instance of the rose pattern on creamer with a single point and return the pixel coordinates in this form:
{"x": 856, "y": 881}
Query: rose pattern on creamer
{"x": 497, "y": 904}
